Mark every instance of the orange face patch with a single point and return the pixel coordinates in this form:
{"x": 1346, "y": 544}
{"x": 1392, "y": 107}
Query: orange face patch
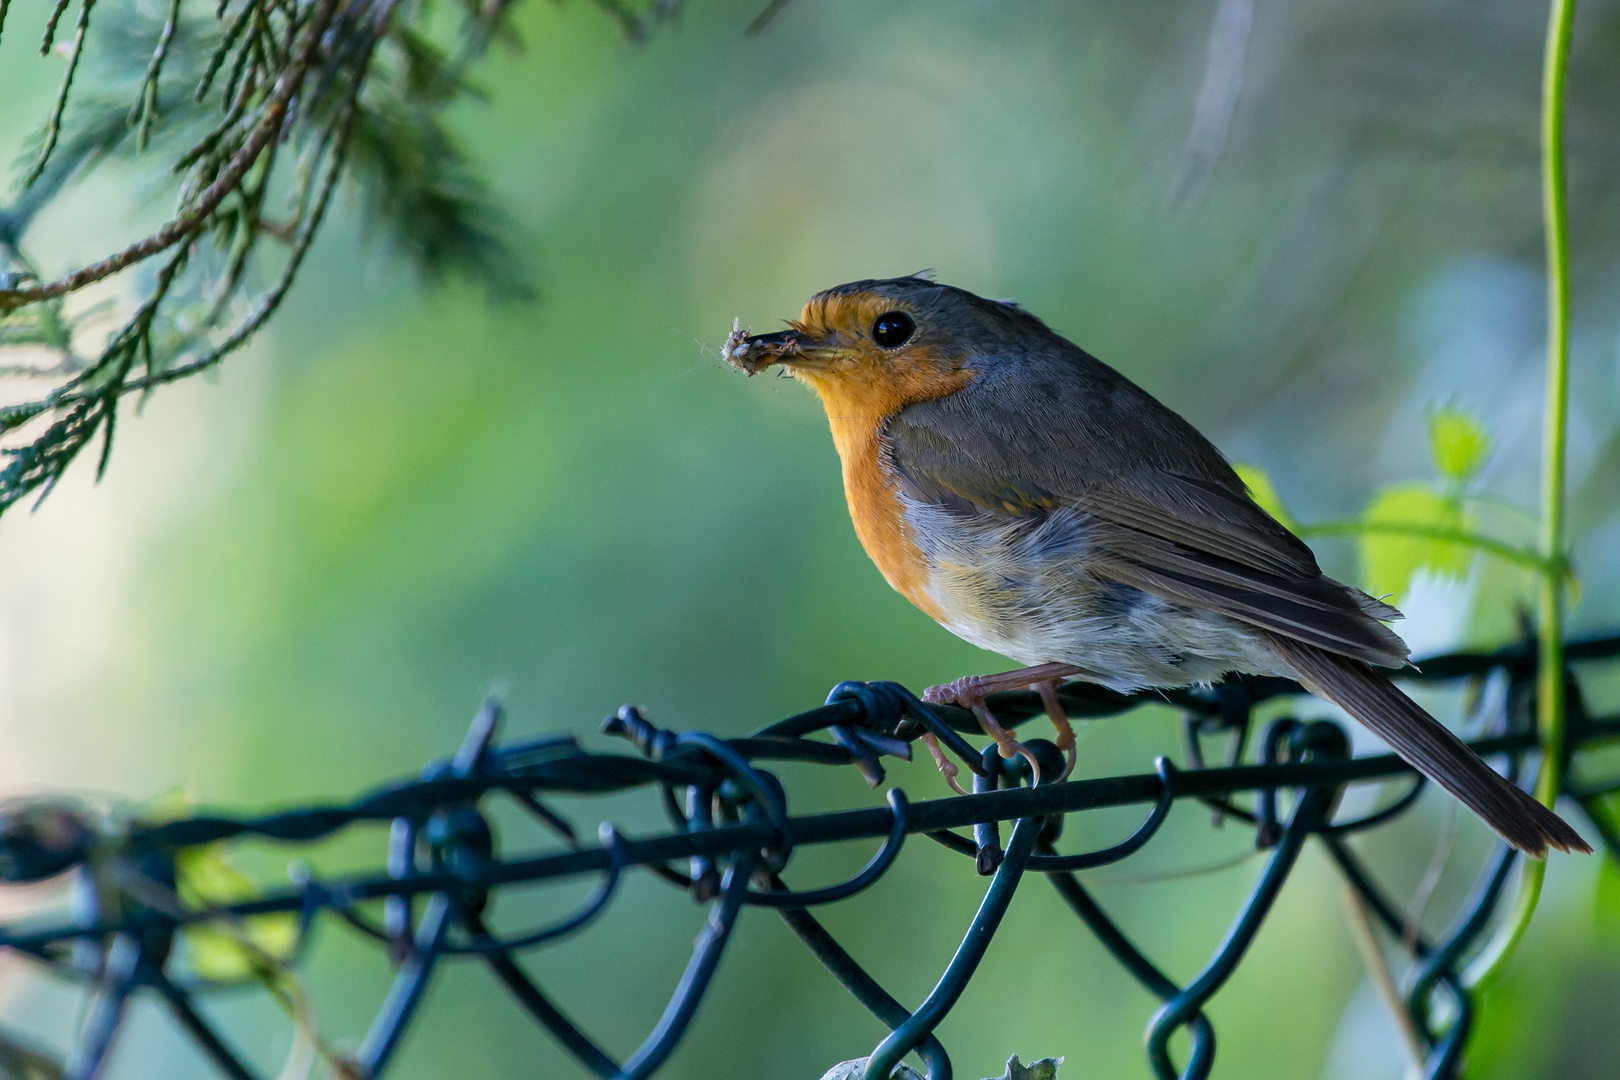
{"x": 845, "y": 366}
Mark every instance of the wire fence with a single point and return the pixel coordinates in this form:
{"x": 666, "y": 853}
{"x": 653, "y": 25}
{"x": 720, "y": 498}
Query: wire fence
{"x": 731, "y": 835}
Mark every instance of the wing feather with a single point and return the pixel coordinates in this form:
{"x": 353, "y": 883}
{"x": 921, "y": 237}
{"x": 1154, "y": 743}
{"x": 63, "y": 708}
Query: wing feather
{"x": 1203, "y": 516}
{"x": 1317, "y": 611}
{"x": 1165, "y": 512}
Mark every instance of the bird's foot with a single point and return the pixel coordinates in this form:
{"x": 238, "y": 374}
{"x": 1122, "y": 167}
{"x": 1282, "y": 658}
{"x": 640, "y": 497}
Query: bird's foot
{"x": 947, "y": 767}
{"x": 1007, "y": 743}
{"x": 971, "y": 688}
{"x": 970, "y": 692}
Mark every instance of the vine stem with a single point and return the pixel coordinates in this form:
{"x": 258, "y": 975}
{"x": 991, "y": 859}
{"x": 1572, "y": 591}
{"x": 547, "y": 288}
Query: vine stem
{"x": 1461, "y": 537}
{"x": 1550, "y": 658}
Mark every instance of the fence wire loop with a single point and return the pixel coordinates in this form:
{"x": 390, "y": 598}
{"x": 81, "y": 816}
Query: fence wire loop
{"x": 481, "y": 942}
{"x": 874, "y": 869}
{"x": 1128, "y": 846}
{"x": 443, "y": 865}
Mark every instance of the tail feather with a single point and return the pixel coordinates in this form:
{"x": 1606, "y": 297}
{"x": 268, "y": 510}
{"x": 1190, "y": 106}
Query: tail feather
{"x": 1429, "y": 747}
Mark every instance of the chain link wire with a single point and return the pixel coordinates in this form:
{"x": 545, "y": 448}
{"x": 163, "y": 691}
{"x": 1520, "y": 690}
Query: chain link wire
{"x": 731, "y": 834}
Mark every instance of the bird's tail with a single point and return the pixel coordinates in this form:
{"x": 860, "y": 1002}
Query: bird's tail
{"x": 1429, "y": 747}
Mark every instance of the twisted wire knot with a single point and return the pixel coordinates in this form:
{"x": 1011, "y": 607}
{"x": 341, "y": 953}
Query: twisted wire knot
{"x": 628, "y": 723}
{"x": 884, "y": 706}
{"x": 884, "y": 703}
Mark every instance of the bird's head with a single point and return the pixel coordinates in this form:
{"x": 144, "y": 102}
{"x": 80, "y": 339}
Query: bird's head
{"x": 888, "y": 343}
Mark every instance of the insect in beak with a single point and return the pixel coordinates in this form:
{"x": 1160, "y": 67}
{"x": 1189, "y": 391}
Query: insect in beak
{"x": 753, "y": 353}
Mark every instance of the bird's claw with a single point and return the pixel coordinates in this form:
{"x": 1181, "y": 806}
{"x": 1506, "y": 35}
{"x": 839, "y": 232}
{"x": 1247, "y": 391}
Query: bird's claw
{"x": 947, "y": 767}
{"x": 1065, "y": 740}
{"x": 1007, "y": 744}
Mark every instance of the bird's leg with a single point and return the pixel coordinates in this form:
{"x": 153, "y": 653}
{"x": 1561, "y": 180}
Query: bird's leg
{"x": 971, "y": 691}
{"x": 947, "y": 767}
{"x": 1060, "y": 720}
{"x": 969, "y": 687}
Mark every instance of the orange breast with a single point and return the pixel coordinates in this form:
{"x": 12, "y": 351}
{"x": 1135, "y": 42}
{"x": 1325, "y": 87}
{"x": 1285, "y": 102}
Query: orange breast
{"x": 857, "y": 407}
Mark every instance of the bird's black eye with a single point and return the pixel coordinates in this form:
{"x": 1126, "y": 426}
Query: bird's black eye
{"x": 892, "y": 329}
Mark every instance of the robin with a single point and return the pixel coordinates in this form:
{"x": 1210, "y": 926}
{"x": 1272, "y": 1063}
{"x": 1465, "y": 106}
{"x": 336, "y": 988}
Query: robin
{"x": 1037, "y": 503}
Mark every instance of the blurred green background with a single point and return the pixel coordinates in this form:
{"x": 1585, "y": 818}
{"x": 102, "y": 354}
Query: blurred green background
{"x": 300, "y": 578}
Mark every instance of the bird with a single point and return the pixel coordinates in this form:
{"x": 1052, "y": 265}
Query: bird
{"x": 1034, "y": 501}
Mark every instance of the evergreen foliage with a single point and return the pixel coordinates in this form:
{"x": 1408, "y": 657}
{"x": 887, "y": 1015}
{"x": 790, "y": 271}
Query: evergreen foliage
{"x": 253, "y": 113}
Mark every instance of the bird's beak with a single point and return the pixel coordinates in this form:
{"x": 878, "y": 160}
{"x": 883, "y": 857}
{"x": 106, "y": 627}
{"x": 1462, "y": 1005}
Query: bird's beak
{"x": 792, "y": 348}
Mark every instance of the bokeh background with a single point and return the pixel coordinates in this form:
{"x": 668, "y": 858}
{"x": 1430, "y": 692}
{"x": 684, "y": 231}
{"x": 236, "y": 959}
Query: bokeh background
{"x": 1300, "y": 224}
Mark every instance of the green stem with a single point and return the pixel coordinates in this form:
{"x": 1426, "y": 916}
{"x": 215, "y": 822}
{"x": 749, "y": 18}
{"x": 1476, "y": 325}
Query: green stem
{"x": 1462, "y": 537}
{"x": 1550, "y": 661}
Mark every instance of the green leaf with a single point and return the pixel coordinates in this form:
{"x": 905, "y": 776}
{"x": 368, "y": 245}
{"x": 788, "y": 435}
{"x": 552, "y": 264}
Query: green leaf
{"x": 228, "y": 951}
{"x": 15, "y": 416}
{"x": 1389, "y": 561}
{"x": 1261, "y": 490}
{"x": 204, "y": 877}
{"x": 1459, "y": 444}
{"x": 1607, "y": 893}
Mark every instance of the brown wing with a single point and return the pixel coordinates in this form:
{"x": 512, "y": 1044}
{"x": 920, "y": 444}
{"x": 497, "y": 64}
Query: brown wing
{"x": 1168, "y": 515}
{"x": 1316, "y": 610}
{"x": 1204, "y": 516}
